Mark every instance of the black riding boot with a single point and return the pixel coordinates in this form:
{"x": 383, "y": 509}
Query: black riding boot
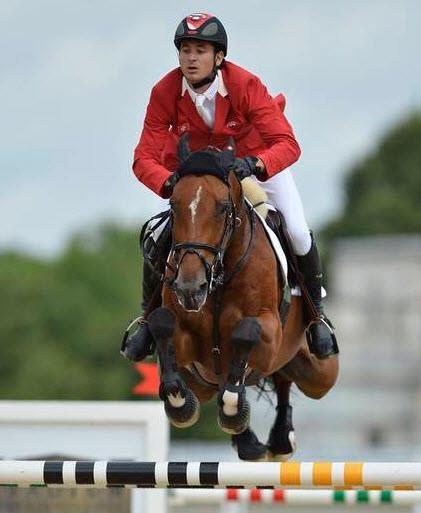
{"x": 320, "y": 332}
{"x": 140, "y": 343}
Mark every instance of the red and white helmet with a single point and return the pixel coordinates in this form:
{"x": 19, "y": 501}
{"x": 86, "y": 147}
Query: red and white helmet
{"x": 204, "y": 27}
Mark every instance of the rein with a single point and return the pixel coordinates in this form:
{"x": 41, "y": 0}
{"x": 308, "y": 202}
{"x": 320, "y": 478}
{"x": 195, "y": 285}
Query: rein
{"x": 215, "y": 273}
{"x": 217, "y": 303}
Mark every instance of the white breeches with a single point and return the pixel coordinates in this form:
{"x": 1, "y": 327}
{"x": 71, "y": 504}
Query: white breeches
{"x": 283, "y": 194}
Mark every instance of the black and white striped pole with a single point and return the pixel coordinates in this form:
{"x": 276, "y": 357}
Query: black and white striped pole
{"x": 304, "y": 475}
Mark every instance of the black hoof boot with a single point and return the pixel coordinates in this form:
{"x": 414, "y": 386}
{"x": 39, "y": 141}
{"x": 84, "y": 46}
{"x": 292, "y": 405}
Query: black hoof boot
{"x": 238, "y": 422}
{"x": 140, "y": 344}
{"x": 281, "y": 443}
{"x": 248, "y": 446}
{"x": 321, "y": 339}
{"x": 185, "y": 415}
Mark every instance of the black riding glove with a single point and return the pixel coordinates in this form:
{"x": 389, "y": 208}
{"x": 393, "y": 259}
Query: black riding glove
{"x": 170, "y": 184}
{"x": 246, "y": 167}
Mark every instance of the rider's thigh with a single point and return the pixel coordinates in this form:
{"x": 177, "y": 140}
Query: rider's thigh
{"x": 283, "y": 194}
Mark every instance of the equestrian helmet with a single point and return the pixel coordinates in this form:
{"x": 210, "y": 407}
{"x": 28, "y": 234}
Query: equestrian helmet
{"x": 203, "y": 27}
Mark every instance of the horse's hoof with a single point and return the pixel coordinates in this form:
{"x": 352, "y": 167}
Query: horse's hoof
{"x": 236, "y": 423}
{"x": 185, "y": 415}
{"x": 248, "y": 446}
{"x": 278, "y": 456}
{"x": 281, "y": 443}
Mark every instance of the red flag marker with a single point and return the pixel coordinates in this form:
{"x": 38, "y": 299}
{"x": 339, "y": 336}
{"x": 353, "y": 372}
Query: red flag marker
{"x": 150, "y": 382}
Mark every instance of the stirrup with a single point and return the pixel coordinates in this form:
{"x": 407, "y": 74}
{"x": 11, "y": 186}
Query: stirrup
{"x": 322, "y": 348}
{"x": 140, "y": 344}
{"x": 126, "y": 333}
{"x": 324, "y": 320}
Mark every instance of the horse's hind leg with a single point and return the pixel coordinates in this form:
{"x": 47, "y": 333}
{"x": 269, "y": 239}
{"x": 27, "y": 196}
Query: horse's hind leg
{"x": 234, "y": 409}
{"x": 281, "y": 442}
{"x": 312, "y": 376}
{"x": 181, "y": 405}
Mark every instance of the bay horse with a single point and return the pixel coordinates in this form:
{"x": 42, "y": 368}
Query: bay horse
{"x": 219, "y": 327}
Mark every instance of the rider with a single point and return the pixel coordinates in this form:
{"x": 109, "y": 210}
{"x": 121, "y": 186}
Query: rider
{"x": 213, "y": 99}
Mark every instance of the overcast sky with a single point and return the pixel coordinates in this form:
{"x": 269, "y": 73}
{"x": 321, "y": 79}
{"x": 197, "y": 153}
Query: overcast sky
{"x": 75, "y": 78}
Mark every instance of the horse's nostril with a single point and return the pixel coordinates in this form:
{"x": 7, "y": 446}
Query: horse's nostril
{"x": 204, "y": 287}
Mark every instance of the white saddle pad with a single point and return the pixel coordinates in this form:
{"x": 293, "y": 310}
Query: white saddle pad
{"x": 276, "y": 245}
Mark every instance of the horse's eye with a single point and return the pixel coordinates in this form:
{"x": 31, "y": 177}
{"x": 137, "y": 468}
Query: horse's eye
{"x": 222, "y": 207}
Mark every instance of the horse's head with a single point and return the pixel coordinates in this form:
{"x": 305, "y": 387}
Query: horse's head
{"x": 204, "y": 205}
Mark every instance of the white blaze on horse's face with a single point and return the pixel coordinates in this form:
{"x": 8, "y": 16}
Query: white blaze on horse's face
{"x": 195, "y": 203}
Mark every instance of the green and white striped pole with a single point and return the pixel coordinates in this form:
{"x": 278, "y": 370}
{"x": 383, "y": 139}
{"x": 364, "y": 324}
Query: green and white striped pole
{"x": 187, "y": 497}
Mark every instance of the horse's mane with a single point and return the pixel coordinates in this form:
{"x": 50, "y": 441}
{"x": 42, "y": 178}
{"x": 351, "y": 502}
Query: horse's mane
{"x": 216, "y": 162}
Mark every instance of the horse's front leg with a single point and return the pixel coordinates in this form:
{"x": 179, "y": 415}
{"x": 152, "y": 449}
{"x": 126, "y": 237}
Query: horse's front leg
{"x": 181, "y": 405}
{"x": 234, "y": 409}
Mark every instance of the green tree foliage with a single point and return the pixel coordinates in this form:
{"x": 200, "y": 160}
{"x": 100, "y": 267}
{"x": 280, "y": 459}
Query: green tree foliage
{"x": 61, "y": 321}
{"x": 383, "y": 191}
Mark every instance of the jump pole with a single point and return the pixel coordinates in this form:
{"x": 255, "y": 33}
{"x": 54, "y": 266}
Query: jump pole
{"x": 304, "y": 475}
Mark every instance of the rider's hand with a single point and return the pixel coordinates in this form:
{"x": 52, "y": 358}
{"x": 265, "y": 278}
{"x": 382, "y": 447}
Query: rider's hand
{"x": 248, "y": 166}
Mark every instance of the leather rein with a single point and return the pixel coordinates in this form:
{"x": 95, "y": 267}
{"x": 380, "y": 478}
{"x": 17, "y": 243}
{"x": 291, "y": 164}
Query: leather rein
{"x": 216, "y": 276}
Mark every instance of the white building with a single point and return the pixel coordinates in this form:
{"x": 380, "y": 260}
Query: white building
{"x": 375, "y": 302}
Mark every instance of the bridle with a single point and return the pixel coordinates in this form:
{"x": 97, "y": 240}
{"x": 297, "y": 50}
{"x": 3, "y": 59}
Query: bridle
{"x": 215, "y": 272}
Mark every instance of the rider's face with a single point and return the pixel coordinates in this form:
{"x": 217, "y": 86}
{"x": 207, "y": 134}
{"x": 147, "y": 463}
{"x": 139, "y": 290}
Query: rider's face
{"x": 197, "y": 59}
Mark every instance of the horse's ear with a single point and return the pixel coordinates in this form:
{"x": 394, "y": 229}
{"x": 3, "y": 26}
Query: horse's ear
{"x": 183, "y": 148}
{"x": 228, "y": 154}
{"x": 230, "y": 145}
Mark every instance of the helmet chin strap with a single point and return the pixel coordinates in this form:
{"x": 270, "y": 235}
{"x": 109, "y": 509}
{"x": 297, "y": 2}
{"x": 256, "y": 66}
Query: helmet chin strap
{"x": 207, "y": 80}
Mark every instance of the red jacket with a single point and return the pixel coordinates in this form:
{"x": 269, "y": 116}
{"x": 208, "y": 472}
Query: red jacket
{"x": 245, "y": 110}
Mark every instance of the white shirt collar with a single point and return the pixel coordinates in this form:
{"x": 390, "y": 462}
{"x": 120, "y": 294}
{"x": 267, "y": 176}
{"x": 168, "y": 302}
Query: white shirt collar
{"x": 217, "y": 86}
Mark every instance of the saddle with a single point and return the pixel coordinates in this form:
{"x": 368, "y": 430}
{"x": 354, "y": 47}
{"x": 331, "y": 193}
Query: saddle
{"x": 276, "y": 222}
